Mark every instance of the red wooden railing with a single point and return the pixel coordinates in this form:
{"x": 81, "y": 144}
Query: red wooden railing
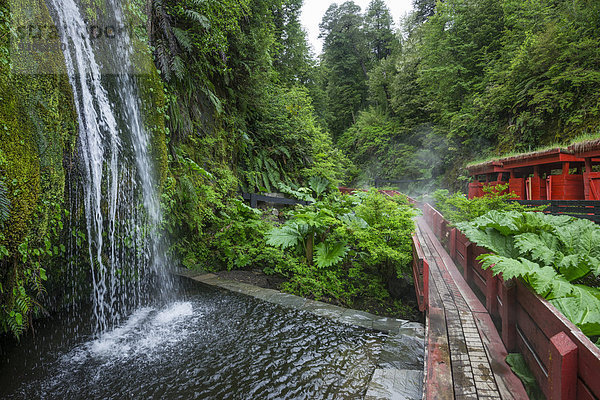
{"x": 420, "y": 274}
{"x": 564, "y": 361}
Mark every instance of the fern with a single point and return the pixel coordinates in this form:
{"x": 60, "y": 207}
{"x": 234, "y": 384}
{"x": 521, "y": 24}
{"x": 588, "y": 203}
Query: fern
{"x": 4, "y": 204}
{"x": 183, "y": 39}
{"x": 197, "y": 18}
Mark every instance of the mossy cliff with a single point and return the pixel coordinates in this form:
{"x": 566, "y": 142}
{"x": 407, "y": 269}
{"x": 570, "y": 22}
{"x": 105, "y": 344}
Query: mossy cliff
{"x": 38, "y": 159}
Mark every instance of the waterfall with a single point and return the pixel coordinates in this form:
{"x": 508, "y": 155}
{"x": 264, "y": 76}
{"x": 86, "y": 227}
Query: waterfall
{"x": 122, "y": 208}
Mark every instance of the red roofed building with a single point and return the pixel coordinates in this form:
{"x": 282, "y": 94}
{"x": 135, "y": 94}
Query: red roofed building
{"x": 554, "y": 174}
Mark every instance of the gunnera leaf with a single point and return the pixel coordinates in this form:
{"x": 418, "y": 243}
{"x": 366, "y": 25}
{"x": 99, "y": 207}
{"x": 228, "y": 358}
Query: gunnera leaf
{"x": 519, "y": 367}
{"x": 329, "y": 254}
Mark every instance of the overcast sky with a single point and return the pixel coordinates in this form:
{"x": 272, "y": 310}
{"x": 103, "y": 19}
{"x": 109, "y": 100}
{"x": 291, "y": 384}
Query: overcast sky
{"x": 313, "y": 10}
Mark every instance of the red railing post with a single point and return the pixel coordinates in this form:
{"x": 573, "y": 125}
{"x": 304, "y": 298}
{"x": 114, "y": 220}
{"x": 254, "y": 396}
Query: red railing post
{"x": 491, "y": 292}
{"x": 453, "y": 243}
{"x": 508, "y": 311}
{"x": 444, "y": 233}
{"x": 420, "y": 274}
{"x": 469, "y": 263}
{"x": 425, "y": 284}
{"x": 562, "y": 373}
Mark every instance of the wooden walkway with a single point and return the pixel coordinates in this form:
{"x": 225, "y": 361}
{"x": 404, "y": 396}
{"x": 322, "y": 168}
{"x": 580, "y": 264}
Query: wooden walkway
{"x": 465, "y": 355}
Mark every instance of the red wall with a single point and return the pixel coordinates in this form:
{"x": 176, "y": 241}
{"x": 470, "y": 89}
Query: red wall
{"x": 517, "y": 185}
{"x": 475, "y": 189}
{"x": 592, "y": 188}
{"x": 565, "y": 187}
{"x": 538, "y": 188}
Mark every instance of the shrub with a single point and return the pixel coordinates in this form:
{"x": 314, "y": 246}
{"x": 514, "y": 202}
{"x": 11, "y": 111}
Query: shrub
{"x": 349, "y": 248}
{"x": 458, "y": 208}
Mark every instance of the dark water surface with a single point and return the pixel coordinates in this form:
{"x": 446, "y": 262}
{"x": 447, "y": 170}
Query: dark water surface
{"x": 210, "y": 344}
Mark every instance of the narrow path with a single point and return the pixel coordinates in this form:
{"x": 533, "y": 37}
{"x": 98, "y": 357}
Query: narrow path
{"x": 465, "y": 357}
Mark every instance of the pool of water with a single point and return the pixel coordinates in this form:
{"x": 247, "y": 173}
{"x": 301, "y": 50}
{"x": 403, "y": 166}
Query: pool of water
{"x": 208, "y": 344}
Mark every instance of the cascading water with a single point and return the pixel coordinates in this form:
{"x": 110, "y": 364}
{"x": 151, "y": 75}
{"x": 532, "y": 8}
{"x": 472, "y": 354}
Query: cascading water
{"x": 122, "y": 208}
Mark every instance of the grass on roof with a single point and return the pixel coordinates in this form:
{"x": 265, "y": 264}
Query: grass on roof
{"x": 580, "y": 143}
{"x": 511, "y": 155}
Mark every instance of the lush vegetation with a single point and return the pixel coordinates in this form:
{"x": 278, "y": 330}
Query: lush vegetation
{"x": 235, "y": 101}
{"x": 553, "y": 254}
{"x": 459, "y": 80}
{"x": 230, "y": 103}
{"x": 37, "y": 133}
{"x": 351, "y": 250}
{"x": 457, "y": 207}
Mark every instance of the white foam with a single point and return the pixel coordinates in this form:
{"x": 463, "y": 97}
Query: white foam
{"x": 147, "y": 333}
{"x": 115, "y": 341}
{"x": 175, "y": 312}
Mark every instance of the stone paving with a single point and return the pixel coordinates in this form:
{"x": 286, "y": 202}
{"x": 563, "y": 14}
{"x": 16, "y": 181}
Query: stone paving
{"x": 399, "y": 370}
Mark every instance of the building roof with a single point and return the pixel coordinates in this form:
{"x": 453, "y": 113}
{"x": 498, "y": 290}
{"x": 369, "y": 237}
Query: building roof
{"x": 588, "y": 148}
{"x": 548, "y": 158}
{"x": 487, "y": 167}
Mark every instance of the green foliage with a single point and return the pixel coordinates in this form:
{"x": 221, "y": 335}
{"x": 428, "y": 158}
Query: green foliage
{"x": 190, "y": 42}
{"x": 458, "y": 208}
{"x": 289, "y": 235}
{"x": 378, "y": 29}
{"x": 38, "y": 129}
{"x": 381, "y": 148}
{"x": 328, "y": 255}
{"x": 239, "y": 243}
{"x": 485, "y": 77}
{"x": 519, "y": 367}
{"x": 292, "y": 59}
{"x": 287, "y": 145}
{"x": 349, "y": 247}
{"x": 550, "y": 253}
{"x": 4, "y": 205}
{"x": 238, "y": 116}
{"x": 346, "y": 61}
{"x": 25, "y": 271}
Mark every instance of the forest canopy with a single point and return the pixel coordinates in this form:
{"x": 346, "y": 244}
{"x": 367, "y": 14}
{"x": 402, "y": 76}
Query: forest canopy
{"x": 458, "y": 80}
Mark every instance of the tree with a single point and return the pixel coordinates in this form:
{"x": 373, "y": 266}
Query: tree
{"x": 379, "y": 29}
{"x": 292, "y": 59}
{"x": 423, "y": 9}
{"x": 346, "y": 60}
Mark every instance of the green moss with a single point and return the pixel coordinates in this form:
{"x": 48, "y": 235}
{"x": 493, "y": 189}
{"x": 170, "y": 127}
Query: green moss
{"x": 153, "y": 113}
{"x": 21, "y": 168}
{"x": 38, "y": 128}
